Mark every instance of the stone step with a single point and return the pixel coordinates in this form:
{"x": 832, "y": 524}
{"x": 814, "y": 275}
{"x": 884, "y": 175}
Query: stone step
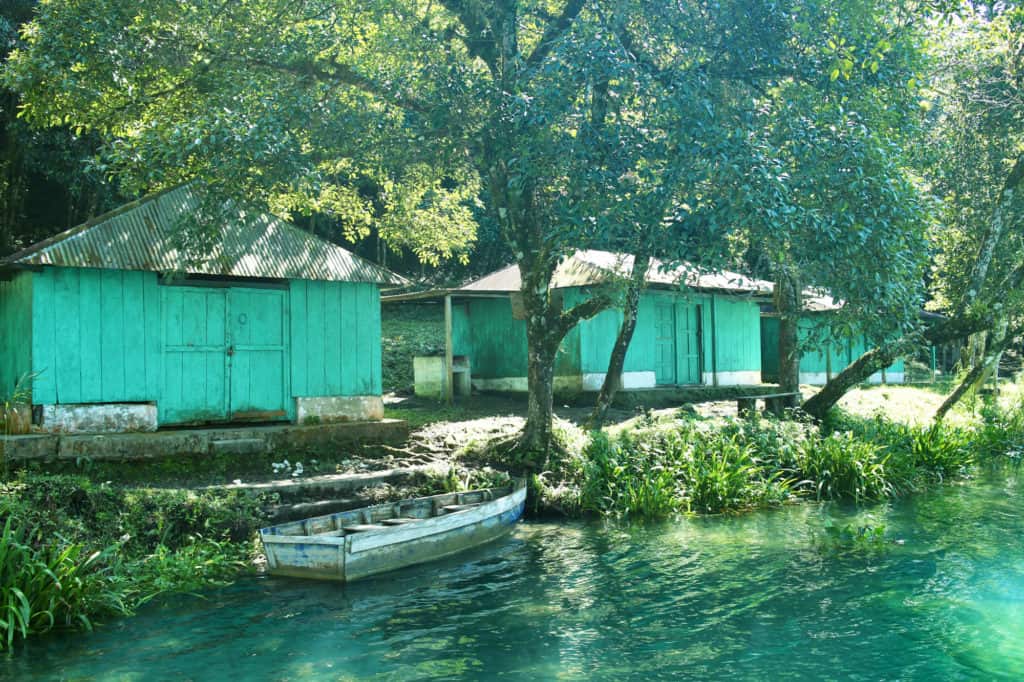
{"x": 200, "y": 442}
{"x": 238, "y": 446}
{"x": 332, "y": 486}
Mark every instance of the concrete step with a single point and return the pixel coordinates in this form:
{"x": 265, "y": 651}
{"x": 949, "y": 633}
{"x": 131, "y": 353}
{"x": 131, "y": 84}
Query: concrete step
{"x": 284, "y": 439}
{"x": 238, "y": 446}
{"x": 332, "y": 486}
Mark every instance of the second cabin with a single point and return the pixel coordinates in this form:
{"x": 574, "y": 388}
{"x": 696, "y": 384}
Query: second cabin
{"x": 692, "y": 329}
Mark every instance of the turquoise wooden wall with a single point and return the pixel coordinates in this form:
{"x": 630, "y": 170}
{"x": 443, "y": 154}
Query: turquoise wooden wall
{"x": 598, "y": 334}
{"x": 737, "y": 334}
{"x": 105, "y": 336}
{"x": 843, "y": 351}
{"x": 335, "y": 338}
{"x": 95, "y": 336}
{"x": 15, "y": 332}
{"x": 484, "y": 329}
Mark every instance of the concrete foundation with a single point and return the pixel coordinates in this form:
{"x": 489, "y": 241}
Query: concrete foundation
{"x": 99, "y": 418}
{"x": 742, "y": 378}
{"x": 338, "y": 408}
{"x": 630, "y": 380}
{"x": 562, "y": 384}
{"x": 821, "y": 378}
{"x": 284, "y": 439}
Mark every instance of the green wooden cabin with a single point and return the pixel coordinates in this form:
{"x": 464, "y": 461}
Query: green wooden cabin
{"x": 110, "y": 327}
{"x": 703, "y": 332}
{"x": 821, "y": 359}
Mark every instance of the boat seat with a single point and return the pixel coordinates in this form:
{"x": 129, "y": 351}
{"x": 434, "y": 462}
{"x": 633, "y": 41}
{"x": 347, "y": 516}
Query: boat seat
{"x": 363, "y": 527}
{"x": 449, "y": 508}
{"x": 399, "y": 520}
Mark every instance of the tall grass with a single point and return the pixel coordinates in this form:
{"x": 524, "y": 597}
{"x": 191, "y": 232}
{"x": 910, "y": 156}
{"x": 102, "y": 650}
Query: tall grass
{"x": 691, "y": 465}
{"x": 49, "y": 587}
{"x": 72, "y": 551}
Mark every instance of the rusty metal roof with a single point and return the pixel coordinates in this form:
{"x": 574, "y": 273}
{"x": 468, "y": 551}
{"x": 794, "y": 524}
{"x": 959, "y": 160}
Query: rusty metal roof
{"x": 586, "y": 268}
{"x": 142, "y": 236}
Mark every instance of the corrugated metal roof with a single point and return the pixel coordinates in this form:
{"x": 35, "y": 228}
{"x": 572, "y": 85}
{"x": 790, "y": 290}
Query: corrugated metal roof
{"x": 586, "y": 268}
{"x": 141, "y": 236}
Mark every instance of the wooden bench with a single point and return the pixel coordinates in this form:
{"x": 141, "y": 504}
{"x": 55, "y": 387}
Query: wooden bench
{"x": 776, "y": 403}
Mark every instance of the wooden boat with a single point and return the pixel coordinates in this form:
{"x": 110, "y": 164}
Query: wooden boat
{"x": 362, "y": 542}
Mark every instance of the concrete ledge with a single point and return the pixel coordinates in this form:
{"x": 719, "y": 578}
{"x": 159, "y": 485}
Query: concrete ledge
{"x": 31, "y": 447}
{"x": 241, "y": 441}
{"x": 99, "y": 418}
{"x": 339, "y": 408}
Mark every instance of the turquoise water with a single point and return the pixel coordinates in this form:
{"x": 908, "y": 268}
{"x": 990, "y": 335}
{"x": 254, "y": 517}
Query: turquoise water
{"x": 756, "y": 597}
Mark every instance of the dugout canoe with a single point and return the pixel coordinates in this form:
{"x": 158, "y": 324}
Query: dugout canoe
{"x": 362, "y": 542}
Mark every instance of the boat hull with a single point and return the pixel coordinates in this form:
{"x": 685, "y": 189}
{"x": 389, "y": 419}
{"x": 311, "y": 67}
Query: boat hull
{"x": 359, "y": 555}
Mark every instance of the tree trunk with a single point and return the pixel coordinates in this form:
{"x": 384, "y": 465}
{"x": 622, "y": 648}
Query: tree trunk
{"x": 875, "y": 359}
{"x": 867, "y": 364}
{"x": 788, "y": 304}
{"x": 993, "y": 351}
{"x": 993, "y": 234}
{"x": 536, "y": 438}
{"x": 613, "y": 377}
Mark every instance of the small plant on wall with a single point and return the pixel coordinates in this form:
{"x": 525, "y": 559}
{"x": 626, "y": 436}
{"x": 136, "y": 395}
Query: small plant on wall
{"x": 16, "y": 408}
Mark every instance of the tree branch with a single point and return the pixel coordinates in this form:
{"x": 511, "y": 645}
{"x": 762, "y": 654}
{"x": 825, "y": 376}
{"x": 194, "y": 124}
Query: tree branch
{"x": 553, "y": 32}
{"x": 338, "y": 73}
{"x": 479, "y": 39}
{"x": 582, "y": 311}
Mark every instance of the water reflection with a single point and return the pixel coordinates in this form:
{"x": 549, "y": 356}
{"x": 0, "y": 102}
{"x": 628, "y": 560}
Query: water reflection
{"x": 749, "y": 597}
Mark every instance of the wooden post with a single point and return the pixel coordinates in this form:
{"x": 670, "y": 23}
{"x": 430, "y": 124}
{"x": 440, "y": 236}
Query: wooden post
{"x": 933, "y": 364}
{"x": 828, "y": 363}
{"x": 448, "y": 374}
{"x": 714, "y": 344}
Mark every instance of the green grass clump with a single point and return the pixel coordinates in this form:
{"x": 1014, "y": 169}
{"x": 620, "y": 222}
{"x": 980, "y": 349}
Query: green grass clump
{"x": 687, "y": 464}
{"x": 42, "y": 588}
{"x": 839, "y": 466}
{"x": 72, "y": 550}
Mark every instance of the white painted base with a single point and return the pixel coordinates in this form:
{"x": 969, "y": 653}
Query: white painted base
{"x": 630, "y": 380}
{"x": 339, "y": 408}
{"x": 743, "y": 378}
{"x": 99, "y": 418}
{"x": 563, "y": 384}
{"x": 821, "y": 378}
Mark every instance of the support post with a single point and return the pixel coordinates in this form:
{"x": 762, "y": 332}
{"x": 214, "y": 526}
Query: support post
{"x": 828, "y": 363}
{"x": 449, "y": 376}
{"x": 714, "y": 344}
{"x": 933, "y": 365}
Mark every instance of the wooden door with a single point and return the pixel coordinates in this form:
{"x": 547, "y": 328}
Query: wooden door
{"x": 664, "y": 343}
{"x": 257, "y": 332}
{"x": 687, "y": 343}
{"x": 194, "y": 355}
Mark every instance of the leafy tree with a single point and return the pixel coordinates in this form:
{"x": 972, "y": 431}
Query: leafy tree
{"x": 580, "y": 123}
{"x": 46, "y": 184}
{"x": 975, "y": 162}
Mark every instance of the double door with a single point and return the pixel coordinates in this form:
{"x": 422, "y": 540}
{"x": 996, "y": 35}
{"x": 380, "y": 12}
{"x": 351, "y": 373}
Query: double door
{"x": 225, "y": 354}
{"x": 676, "y": 342}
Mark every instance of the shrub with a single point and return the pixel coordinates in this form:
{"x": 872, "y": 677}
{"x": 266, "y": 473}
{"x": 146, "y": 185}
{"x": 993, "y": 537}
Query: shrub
{"x": 839, "y": 466}
{"x": 47, "y": 587}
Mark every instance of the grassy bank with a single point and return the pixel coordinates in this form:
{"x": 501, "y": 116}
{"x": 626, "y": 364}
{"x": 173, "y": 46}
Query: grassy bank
{"x": 73, "y": 551}
{"x": 680, "y": 463}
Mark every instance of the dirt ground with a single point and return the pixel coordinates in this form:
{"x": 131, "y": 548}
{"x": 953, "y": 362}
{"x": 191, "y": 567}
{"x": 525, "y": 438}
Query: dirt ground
{"x": 483, "y": 417}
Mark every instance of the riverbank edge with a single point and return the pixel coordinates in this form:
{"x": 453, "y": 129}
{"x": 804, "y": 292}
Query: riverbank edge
{"x": 131, "y": 545}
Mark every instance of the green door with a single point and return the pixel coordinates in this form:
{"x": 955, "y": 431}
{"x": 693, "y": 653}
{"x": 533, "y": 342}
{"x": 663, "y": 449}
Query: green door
{"x": 257, "y": 330}
{"x": 224, "y": 354}
{"x": 195, "y": 361}
{"x": 688, "y": 343}
{"x": 664, "y": 343}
